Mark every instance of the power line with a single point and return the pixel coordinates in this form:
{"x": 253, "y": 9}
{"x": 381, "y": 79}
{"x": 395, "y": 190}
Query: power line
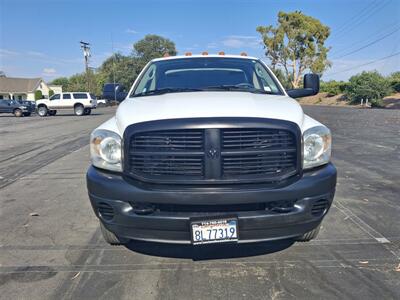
{"x": 345, "y": 24}
{"x": 371, "y": 37}
{"x": 358, "y": 17}
{"x": 366, "y": 64}
{"x": 362, "y": 18}
{"x": 369, "y": 44}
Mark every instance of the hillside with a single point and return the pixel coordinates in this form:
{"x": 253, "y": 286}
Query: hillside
{"x": 390, "y": 102}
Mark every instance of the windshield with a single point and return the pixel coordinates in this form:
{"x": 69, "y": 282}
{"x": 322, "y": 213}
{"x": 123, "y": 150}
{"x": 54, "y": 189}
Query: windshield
{"x": 206, "y": 74}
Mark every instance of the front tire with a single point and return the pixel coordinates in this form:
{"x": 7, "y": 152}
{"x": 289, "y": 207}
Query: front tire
{"x": 79, "y": 110}
{"x": 87, "y": 111}
{"x": 18, "y": 113}
{"x": 42, "y": 111}
{"x": 111, "y": 238}
{"x": 308, "y": 236}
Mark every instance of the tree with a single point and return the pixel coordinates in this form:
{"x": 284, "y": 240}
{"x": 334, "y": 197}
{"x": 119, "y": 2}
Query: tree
{"x": 63, "y": 81}
{"x": 286, "y": 82}
{"x": 153, "y": 46}
{"x": 77, "y": 83}
{"x": 367, "y": 85}
{"x": 119, "y": 68}
{"x": 51, "y": 93}
{"x": 38, "y": 95}
{"x": 296, "y": 44}
{"x": 122, "y": 69}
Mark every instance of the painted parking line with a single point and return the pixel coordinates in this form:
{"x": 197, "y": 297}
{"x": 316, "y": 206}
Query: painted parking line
{"x": 361, "y": 224}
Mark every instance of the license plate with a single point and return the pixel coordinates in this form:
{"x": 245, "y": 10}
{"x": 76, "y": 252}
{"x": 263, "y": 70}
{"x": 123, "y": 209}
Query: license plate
{"x": 214, "y": 231}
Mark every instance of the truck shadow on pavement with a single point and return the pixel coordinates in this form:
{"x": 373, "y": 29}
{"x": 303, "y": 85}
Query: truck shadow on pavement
{"x": 209, "y": 252}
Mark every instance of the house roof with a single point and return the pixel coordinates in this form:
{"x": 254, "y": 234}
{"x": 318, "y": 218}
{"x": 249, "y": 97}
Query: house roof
{"x": 18, "y": 85}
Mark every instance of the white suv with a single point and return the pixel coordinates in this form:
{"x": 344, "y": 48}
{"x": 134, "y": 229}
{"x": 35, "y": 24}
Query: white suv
{"x": 82, "y": 103}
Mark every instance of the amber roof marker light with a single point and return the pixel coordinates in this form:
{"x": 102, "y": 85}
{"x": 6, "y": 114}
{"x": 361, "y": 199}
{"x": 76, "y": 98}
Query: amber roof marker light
{"x": 243, "y": 54}
{"x": 221, "y": 53}
{"x": 166, "y": 54}
{"x": 204, "y": 53}
{"x": 188, "y": 54}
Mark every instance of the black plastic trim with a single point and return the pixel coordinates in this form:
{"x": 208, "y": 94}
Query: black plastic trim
{"x": 212, "y": 128}
{"x": 114, "y": 186}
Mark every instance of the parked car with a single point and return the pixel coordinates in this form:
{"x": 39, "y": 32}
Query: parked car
{"x": 81, "y": 103}
{"x": 211, "y": 149}
{"x": 29, "y": 103}
{"x": 102, "y": 102}
{"x": 16, "y": 108}
{"x": 114, "y": 92}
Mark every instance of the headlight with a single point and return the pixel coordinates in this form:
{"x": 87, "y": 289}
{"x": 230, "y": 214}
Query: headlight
{"x": 316, "y": 147}
{"x": 105, "y": 150}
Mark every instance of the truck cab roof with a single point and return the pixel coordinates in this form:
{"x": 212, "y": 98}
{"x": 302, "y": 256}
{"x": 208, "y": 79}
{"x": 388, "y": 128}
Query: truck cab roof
{"x": 204, "y": 56}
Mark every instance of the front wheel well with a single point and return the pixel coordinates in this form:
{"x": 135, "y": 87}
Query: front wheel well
{"x": 78, "y": 104}
{"x": 42, "y": 105}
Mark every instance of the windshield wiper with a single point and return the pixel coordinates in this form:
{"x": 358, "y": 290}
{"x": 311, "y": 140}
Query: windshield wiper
{"x": 242, "y": 87}
{"x": 167, "y": 90}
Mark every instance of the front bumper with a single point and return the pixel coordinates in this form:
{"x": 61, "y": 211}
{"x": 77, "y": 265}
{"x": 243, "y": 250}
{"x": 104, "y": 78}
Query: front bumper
{"x": 121, "y": 193}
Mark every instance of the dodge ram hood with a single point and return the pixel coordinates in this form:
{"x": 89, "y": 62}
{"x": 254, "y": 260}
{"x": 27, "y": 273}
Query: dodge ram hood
{"x": 207, "y": 104}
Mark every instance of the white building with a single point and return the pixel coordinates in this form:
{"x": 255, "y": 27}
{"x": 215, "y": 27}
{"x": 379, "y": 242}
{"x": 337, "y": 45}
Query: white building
{"x": 57, "y": 89}
{"x": 25, "y": 88}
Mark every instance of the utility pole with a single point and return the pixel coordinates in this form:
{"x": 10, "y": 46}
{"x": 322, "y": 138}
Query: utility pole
{"x": 86, "y": 54}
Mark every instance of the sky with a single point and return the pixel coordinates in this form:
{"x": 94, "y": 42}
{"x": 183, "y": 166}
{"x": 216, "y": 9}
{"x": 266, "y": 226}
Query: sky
{"x": 40, "y": 38}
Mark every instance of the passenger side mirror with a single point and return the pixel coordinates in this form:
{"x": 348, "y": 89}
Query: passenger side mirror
{"x": 311, "y": 87}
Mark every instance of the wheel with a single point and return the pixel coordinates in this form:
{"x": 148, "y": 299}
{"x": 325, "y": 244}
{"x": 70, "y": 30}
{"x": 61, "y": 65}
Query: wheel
{"x": 308, "y": 236}
{"x": 52, "y": 112}
{"x": 42, "y": 111}
{"x": 79, "y": 110}
{"x": 27, "y": 114}
{"x": 18, "y": 113}
{"x": 87, "y": 111}
{"x": 111, "y": 238}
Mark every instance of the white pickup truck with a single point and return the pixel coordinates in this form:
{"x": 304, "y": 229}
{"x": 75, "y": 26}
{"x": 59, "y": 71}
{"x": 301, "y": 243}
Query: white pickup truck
{"x": 211, "y": 149}
{"x": 81, "y": 103}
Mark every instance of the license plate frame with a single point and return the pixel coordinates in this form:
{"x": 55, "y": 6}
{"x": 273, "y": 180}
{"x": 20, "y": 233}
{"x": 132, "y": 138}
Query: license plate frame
{"x": 215, "y": 223}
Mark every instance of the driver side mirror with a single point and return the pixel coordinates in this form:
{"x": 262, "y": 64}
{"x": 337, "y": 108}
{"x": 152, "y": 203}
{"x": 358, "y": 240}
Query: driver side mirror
{"x": 311, "y": 87}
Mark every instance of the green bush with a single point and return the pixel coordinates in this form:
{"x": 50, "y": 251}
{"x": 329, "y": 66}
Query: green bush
{"x": 51, "y": 93}
{"x": 394, "y": 81}
{"x": 333, "y": 87}
{"x": 38, "y": 95}
{"x": 367, "y": 85}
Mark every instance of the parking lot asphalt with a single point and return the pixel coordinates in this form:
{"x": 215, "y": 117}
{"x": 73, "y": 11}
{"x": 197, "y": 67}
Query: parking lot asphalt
{"x": 51, "y": 246}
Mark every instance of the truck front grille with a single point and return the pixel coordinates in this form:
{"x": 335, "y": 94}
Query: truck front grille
{"x": 237, "y": 151}
{"x": 258, "y": 152}
{"x": 168, "y": 140}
